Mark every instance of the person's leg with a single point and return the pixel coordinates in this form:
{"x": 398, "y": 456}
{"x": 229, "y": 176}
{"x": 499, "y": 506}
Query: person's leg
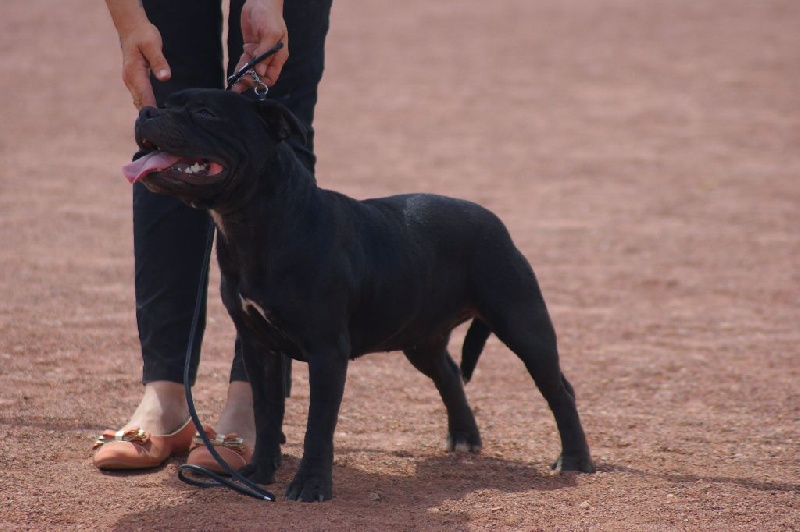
{"x": 307, "y": 22}
{"x": 169, "y": 236}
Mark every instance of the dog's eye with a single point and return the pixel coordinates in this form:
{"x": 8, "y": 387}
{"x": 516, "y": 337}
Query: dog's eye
{"x": 207, "y": 113}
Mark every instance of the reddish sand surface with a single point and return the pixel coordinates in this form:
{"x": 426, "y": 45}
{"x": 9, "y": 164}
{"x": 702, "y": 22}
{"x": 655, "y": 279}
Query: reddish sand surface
{"x": 646, "y": 158}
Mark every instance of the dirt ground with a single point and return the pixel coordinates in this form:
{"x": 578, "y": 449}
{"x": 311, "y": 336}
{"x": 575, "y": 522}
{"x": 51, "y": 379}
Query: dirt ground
{"x": 646, "y": 158}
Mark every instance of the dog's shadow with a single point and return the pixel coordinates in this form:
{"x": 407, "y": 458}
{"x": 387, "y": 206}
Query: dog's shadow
{"x": 429, "y": 480}
{"x": 361, "y": 498}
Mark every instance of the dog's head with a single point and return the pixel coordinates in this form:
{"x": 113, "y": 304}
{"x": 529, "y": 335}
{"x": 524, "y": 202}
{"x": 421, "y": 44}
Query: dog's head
{"x": 204, "y": 144}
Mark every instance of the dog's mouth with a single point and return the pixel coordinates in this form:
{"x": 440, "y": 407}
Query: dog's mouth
{"x": 158, "y": 161}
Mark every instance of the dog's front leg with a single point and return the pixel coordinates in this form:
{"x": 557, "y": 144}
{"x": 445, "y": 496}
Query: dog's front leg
{"x": 266, "y": 374}
{"x": 313, "y": 481}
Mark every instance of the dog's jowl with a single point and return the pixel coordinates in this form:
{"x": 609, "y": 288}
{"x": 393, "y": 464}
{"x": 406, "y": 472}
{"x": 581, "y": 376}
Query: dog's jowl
{"x": 324, "y": 278}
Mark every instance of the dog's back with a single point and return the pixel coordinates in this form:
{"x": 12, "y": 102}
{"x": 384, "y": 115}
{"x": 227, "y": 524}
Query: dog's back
{"x": 422, "y": 262}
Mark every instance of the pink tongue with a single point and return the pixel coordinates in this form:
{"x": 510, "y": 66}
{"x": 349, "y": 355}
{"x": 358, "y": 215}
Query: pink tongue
{"x": 147, "y": 164}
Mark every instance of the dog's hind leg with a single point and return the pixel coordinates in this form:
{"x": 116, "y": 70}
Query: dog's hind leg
{"x": 509, "y": 299}
{"x": 525, "y": 327}
{"x": 433, "y": 360}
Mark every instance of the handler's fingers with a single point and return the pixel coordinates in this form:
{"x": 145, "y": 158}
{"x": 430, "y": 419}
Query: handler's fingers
{"x": 247, "y": 54}
{"x": 140, "y": 56}
{"x": 245, "y": 82}
{"x": 141, "y": 90}
{"x": 268, "y": 70}
{"x": 136, "y": 75}
{"x": 156, "y": 60}
{"x": 273, "y": 69}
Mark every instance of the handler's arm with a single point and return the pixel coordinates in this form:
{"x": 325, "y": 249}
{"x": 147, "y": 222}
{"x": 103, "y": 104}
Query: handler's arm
{"x": 141, "y": 50}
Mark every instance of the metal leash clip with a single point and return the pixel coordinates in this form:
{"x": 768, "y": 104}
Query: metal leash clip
{"x": 261, "y": 88}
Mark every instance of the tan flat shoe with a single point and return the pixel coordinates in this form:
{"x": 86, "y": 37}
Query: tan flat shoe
{"x": 230, "y": 447}
{"x": 136, "y": 449}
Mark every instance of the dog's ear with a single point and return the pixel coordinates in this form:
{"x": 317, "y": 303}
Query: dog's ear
{"x": 280, "y": 120}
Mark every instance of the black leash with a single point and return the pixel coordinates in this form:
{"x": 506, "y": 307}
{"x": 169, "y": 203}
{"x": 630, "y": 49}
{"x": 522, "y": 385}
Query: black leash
{"x": 244, "y": 485}
{"x": 237, "y": 482}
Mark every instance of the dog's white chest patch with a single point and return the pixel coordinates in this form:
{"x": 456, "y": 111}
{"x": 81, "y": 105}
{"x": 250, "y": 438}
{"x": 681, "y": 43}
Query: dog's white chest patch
{"x": 249, "y": 304}
{"x": 218, "y": 221}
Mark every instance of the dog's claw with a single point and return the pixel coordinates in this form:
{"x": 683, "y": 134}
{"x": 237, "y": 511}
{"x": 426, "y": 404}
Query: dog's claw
{"x": 463, "y": 443}
{"x": 581, "y": 463}
{"x": 311, "y": 489}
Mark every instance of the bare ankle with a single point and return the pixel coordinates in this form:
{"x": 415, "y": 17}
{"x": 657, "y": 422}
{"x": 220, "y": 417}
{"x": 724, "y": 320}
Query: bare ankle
{"x": 162, "y": 409}
{"x": 237, "y": 414}
{"x": 240, "y": 394}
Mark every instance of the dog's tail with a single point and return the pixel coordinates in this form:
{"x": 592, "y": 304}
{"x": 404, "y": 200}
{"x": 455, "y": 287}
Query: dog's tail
{"x": 475, "y": 339}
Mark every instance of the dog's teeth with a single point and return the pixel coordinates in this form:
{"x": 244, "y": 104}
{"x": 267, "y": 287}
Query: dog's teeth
{"x": 196, "y": 168}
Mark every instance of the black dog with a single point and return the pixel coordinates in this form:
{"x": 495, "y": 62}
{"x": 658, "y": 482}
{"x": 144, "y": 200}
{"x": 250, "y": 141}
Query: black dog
{"x": 324, "y": 278}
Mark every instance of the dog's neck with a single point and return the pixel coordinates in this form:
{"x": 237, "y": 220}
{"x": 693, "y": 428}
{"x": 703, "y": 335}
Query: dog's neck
{"x": 281, "y": 198}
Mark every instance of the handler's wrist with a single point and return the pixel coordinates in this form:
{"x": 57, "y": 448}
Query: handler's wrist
{"x": 275, "y": 3}
{"x": 126, "y": 14}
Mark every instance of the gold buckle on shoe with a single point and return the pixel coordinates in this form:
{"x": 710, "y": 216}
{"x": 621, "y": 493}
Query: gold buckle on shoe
{"x": 135, "y": 435}
{"x": 231, "y": 442}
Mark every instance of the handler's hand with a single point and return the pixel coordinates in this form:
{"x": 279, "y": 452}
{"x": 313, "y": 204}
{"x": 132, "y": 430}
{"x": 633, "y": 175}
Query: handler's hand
{"x": 262, "y": 27}
{"x": 142, "y": 53}
{"x": 141, "y": 50}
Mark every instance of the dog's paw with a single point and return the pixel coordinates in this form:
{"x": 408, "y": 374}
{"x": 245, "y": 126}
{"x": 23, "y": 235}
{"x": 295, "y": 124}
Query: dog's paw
{"x": 581, "y": 462}
{"x": 461, "y": 442}
{"x": 310, "y": 488}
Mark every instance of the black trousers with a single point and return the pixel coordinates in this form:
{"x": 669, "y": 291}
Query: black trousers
{"x": 169, "y": 236}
